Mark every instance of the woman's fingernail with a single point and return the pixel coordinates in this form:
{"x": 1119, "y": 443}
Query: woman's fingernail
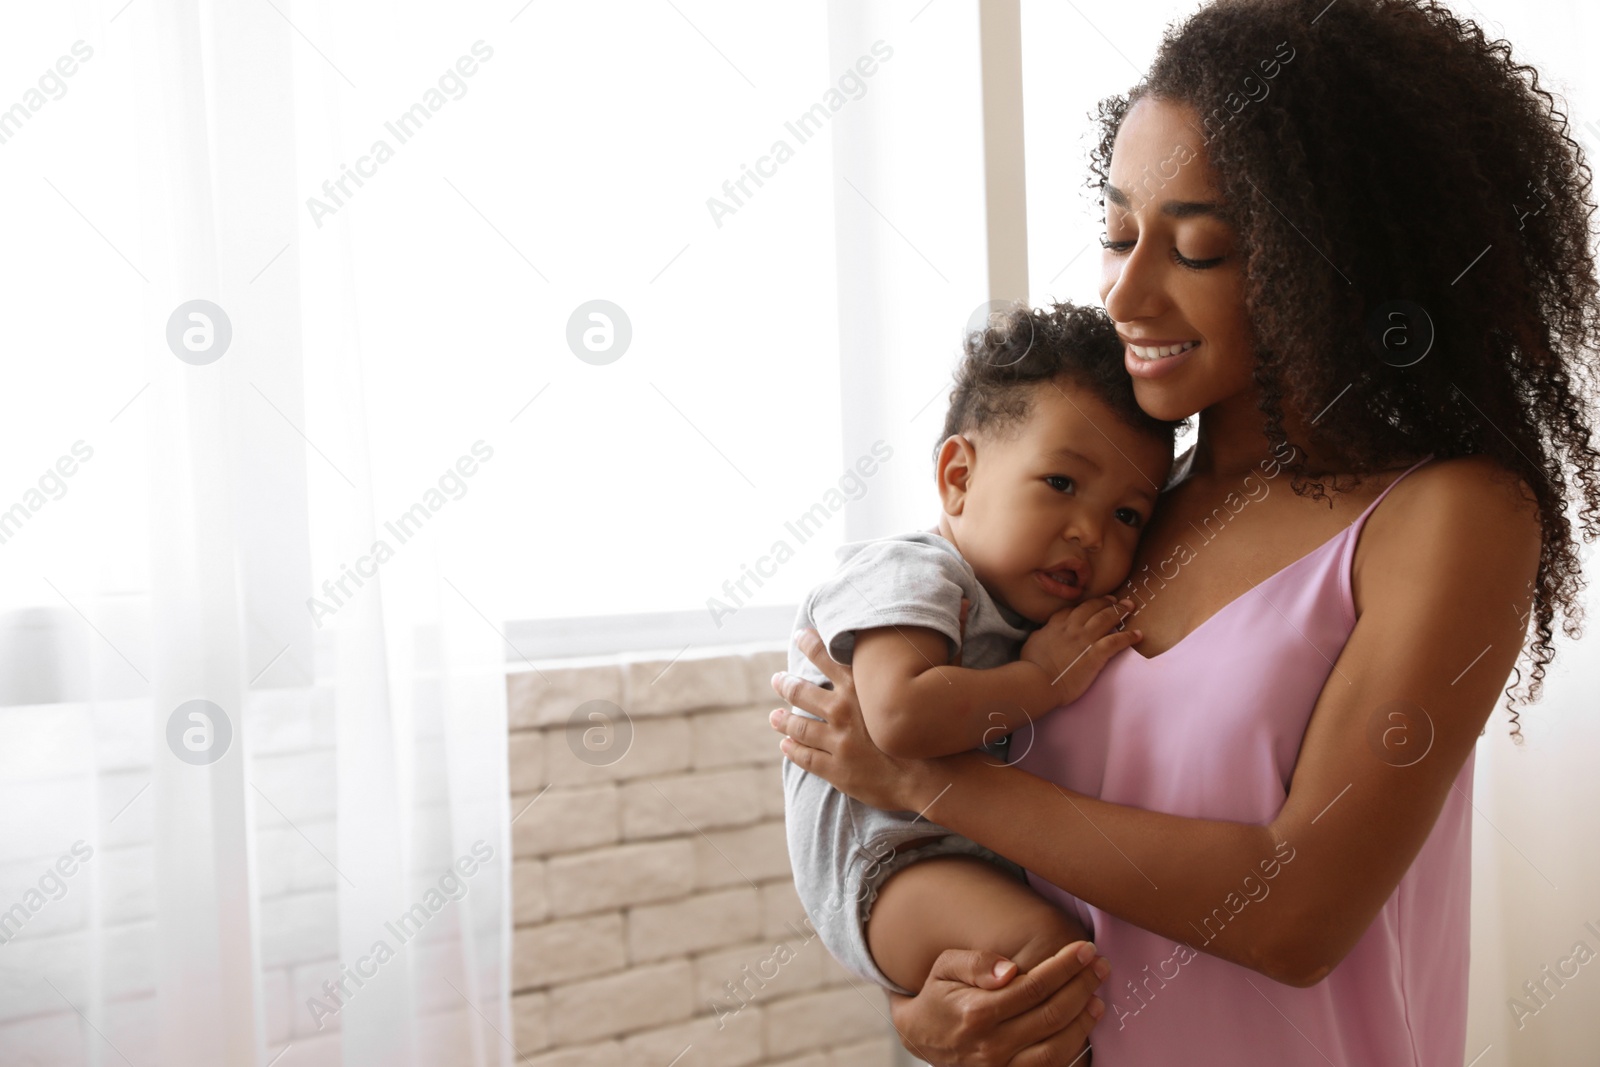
{"x": 1002, "y": 968}
{"x": 1086, "y": 952}
{"x": 776, "y": 717}
{"x": 1097, "y": 1007}
{"x": 1102, "y": 967}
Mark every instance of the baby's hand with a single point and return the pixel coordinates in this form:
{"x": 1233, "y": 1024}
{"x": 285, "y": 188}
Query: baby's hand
{"x": 1076, "y": 643}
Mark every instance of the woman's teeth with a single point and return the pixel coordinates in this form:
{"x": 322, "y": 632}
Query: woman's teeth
{"x": 1163, "y": 352}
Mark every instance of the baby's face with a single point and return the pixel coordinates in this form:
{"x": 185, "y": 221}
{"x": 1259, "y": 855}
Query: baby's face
{"x": 1052, "y": 509}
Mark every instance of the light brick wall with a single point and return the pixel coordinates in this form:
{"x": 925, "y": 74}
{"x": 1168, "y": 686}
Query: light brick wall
{"x": 656, "y": 919}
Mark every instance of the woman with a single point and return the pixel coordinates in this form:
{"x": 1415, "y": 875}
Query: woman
{"x": 1354, "y": 239}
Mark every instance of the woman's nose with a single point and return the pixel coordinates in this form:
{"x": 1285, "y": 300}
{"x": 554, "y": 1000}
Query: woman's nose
{"x": 1131, "y": 284}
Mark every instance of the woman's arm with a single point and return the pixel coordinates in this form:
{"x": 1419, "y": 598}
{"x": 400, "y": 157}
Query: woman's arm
{"x": 1443, "y": 591}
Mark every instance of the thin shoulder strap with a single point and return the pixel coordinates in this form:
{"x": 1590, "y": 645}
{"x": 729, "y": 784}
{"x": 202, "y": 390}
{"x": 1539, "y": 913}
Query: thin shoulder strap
{"x": 1379, "y": 499}
{"x": 1352, "y": 534}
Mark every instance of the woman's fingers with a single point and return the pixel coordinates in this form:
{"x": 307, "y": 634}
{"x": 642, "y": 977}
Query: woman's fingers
{"x": 1068, "y": 1048}
{"x": 810, "y": 645}
{"x": 1050, "y": 997}
{"x": 973, "y": 967}
{"x": 808, "y": 734}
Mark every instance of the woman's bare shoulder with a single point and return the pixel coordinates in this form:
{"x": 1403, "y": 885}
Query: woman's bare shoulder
{"x": 1466, "y": 514}
{"x": 1468, "y": 484}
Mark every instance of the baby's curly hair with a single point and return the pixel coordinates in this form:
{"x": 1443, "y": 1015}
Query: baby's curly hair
{"x": 1022, "y": 347}
{"x": 1401, "y": 155}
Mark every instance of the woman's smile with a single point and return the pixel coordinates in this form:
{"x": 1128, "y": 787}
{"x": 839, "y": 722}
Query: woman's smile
{"x": 1153, "y": 360}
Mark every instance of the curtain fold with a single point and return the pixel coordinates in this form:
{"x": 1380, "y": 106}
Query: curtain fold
{"x": 290, "y": 824}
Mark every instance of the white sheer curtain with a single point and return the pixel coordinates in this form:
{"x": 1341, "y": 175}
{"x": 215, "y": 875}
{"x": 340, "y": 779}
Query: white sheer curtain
{"x": 253, "y": 782}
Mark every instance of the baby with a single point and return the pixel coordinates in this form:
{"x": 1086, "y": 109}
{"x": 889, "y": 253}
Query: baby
{"x": 1047, "y": 473}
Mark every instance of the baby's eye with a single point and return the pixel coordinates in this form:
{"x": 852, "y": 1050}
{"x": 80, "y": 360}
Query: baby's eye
{"x": 1130, "y": 517}
{"x": 1059, "y": 482}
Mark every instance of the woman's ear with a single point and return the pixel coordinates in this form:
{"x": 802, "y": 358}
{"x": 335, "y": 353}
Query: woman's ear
{"x": 953, "y": 471}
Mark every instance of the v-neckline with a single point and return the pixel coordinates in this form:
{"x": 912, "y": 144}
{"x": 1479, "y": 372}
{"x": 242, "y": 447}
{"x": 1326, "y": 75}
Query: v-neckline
{"x": 1275, "y": 574}
{"x": 1281, "y": 570}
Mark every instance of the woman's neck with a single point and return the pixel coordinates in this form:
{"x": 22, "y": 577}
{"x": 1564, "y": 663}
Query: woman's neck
{"x": 1232, "y": 440}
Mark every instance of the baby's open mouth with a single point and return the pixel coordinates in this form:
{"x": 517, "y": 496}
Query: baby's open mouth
{"x": 1062, "y": 582}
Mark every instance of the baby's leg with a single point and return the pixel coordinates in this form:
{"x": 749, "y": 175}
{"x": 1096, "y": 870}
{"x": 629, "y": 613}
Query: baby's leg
{"x": 956, "y": 901}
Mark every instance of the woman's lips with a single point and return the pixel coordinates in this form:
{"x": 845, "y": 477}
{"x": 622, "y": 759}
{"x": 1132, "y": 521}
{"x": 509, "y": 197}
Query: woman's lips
{"x": 1155, "y": 368}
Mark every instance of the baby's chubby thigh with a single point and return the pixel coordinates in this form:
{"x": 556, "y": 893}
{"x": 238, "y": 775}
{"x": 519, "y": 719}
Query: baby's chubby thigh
{"x": 958, "y": 898}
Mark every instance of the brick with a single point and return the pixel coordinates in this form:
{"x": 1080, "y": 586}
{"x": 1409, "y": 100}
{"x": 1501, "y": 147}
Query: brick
{"x": 810, "y": 1059}
{"x": 279, "y": 1006}
{"x": 602, "y": 1054}
{"x": 708, "y": 1044}
{"x": 781, "y": 912}
{"x": 879, "y": 1052}
{"x": 526, "y": 753}
{"x": 734, "y": 857}
{"x": 288, "y": 865}
{"x": 530, "y": 1022}
{"x": 760, "y": 664}
{"x": 301, "y": 927}
{"x": 658, "y": 746}
{"x": 830, "y": 1017}
{"x": 301, "y": 787}
{"x": 563, "y": 951}
{"x": 695, "y": 924}
{"x": 530, "y": 896}
{"x": 663, "y": 686}
{"x": 759, "y": 971}
{"x": 770, "y": 788}
{"x": 728, "y": 738}
{"x": 306, "y": 982}
{"x": 636, "y": 999}
{"x": 564, "y": 820}
{"x": 548, "y": 696}
{"x": 709, "y": 800}
{"x": 618, "y": 877}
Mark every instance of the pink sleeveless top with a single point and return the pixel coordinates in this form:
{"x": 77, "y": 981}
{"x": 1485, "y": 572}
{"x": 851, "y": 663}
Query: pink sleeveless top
{"x": 1211, "y": 729}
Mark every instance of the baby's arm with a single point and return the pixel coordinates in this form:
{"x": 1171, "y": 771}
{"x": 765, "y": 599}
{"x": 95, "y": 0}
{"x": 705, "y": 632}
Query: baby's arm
{"x": 917, "y": 706}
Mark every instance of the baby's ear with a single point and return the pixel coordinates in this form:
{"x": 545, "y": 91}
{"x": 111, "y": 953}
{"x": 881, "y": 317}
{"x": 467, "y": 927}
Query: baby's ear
{"x": 953, "y": 472}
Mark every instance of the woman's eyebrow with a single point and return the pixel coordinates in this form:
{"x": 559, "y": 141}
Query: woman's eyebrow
{"x": 1178, "y": 209}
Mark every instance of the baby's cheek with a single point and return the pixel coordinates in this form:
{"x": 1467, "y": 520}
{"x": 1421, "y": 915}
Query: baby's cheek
{"x": 1113, "y": 569}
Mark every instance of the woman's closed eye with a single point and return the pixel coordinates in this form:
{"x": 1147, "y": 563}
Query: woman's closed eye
{"x": 1119, "y": 247}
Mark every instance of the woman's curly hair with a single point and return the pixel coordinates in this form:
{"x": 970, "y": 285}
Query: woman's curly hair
{"x": 1398, "y": 154}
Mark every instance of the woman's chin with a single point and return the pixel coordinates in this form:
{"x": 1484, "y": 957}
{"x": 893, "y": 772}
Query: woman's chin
{"x": 1160, "y": 400}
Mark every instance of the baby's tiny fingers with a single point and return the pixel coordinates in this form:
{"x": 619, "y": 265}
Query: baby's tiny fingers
{"x": 1103, "y": 621}
{"x": 1113, "y": 643}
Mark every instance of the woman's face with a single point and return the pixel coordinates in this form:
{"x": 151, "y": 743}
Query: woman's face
{"x": 1171, "y": 276}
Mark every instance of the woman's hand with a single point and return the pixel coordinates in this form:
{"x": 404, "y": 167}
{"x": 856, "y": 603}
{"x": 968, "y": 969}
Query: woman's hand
{"x": 968, "y": 1016}
{"x": 839, "y": 750}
